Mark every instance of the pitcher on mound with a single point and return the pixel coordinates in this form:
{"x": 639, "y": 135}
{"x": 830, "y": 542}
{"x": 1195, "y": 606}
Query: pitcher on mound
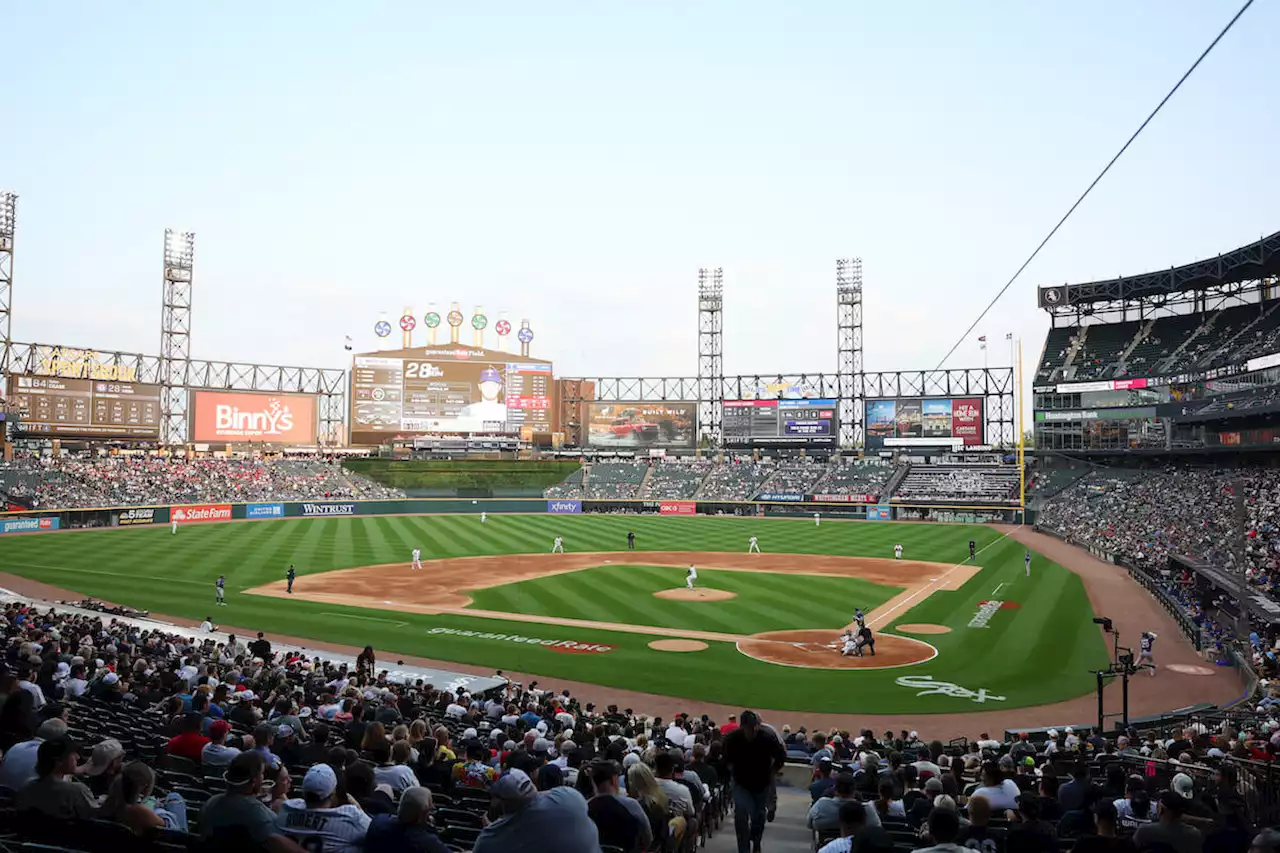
{"x": 690, "y": 576}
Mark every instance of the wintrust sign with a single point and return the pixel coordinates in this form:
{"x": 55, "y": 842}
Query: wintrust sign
{"x": 233, "y": 417}
{"x": 200, "y": 512}
{"x": 328, "y": 509}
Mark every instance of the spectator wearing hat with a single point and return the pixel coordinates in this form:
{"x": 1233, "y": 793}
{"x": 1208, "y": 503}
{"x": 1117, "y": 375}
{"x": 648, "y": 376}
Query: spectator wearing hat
{"x": 318, "y": 821}
{"x": 1023, "y": 748}
{"x": 264, "y": 736}
{"x": 554, "y": 821}
{"x": 105, "y": 763}
{"x": 620, "y": 821}
{"x": 1169, "y": 832}
{"x": 753, "y": 757}
{"x": 54, "y": 794}
{"x": 19, "y": 765}
{"x": 408, "y": 830}
{"x": 189, "y": 744}
{"x": 216, "y": 755}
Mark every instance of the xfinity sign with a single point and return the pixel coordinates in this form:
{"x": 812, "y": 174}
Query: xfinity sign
{"x": 564, "y": 507}
{"x": 328, "y": 509}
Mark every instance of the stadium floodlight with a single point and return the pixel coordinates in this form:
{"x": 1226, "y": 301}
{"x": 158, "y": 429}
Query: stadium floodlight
{"x": 179, "y": 248}
{"x": 8, "y": 214}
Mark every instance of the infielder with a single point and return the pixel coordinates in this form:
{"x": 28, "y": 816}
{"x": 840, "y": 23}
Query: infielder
{"x": 289, "y": 576}
{"x": 1146, "y": 650}
{"x": 417, "y": 558}
{"x": 484, "y": 516}
{"x": 753, "y": 545}
{"x": 691, "y": 576}
{"x": 973, "y": 549}
{"x": 897, "y": 552}
{"x": 557, "y": 547}
{"x": 817, "y": 519}
{"x": 220, "y": 590}
{"x": 1026, "y": 560}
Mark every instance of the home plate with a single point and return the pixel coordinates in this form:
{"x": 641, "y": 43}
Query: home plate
{"x": 388, "y": 602}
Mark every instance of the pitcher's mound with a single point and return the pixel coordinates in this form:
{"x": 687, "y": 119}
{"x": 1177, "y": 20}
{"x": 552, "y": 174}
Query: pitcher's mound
{"x": 678, "y": 645}
{"x": 698, "y": 594}
{"x": 820, "y": 650}
{"x": 923, "y": 628}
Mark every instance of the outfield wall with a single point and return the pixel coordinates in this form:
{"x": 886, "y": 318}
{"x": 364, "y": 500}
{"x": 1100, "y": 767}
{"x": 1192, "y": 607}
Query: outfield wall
{"x": 44, "y": 521}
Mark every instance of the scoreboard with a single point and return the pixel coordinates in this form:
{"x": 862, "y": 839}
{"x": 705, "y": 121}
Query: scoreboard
{"x": 761, "y": 423}
{"x": 447, "y": 392}
{"x": 85, "y": 408}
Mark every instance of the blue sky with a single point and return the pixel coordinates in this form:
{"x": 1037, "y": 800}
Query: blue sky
{"x": 576, "y": 163}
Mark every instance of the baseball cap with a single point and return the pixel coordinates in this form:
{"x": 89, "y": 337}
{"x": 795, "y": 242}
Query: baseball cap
{"x": 320, "y": 781}
{"x": 1053, "y": 733}
{"x": 489, "y": 375}
{"x": 514, "y": 788}
{"x": 218, "y": 728}
{"x": 103, "y": 754}
{"x": 110, "y": 678}
{"x": 1183, "y": 786}
{"x": 284, "y": 731}
{"x": 542, "y": 745}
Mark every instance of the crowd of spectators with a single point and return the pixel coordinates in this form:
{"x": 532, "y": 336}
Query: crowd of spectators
{"x": 736, "y": 480}
{"x": 976, "y": 485}
{"x": 68, "y": 482}
{"x": 570, "y": 487}
{"x": 794, "y": 476}
{"x": 615, "y": 480}
{"x": 856, "y": 477}
{"x": 152, "y": 734}
{"x": 676, "y": 480}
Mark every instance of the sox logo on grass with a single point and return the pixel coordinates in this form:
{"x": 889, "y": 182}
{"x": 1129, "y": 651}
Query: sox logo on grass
{"x": 928, "y": 687}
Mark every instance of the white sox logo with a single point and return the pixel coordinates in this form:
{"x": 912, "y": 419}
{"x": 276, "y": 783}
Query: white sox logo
{"x": 928, "y": 687}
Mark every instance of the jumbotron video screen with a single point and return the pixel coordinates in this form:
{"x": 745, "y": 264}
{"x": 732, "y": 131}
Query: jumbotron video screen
{"x": 450, "y": 390}
{"x": 763, "y": 423}
{"x": 920, "y": 419}
{"x": 84, "y": 408}
{"x": 641, "y": 425}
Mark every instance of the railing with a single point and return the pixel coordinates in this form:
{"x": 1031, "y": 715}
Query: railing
{"x": 1258, "y": 783}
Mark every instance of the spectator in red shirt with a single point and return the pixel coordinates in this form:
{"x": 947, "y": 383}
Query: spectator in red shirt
{"x": 729, "y": 726}
{"x": 190, "y": 743}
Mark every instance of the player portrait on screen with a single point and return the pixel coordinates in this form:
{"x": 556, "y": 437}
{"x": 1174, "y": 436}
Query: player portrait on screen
{"x": 492, "y": 405}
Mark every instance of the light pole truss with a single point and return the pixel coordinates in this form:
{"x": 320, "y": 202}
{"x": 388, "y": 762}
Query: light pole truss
{"x": 849, "y": 364}
{"x": 328, "y": 384}
{"x": 628, "y": 389}
{"x": 8, "y": 228}
{"x": 710, "y": 352}
{"x": 175, "y": 334}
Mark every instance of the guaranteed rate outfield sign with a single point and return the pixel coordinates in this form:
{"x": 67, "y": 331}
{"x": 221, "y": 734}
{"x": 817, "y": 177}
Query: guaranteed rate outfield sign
{"x": 28, "y": 525}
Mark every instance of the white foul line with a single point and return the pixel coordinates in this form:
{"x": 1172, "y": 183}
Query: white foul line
{"x": 365, "y": 618}
{"x": 928, "y": 588}
{"x": 996, "y": 591}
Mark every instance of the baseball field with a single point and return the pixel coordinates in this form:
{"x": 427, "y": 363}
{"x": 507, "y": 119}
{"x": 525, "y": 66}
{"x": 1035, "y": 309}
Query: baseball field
{"x": 952, "y": 634}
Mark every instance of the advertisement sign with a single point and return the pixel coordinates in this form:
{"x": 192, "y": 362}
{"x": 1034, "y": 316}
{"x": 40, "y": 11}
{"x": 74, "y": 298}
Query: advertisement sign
{"x": 28, "y": 525}
{"x": 200, "y": 512}
{"x": 880, "y": 512}
{"x": 843, "y": 499}
{"x": 137, "y": 516}
{"x": 264, "y": 511}
{"x": 451, "y": 388}
{"x": 678, "y": 508}
{"x": 238, "y": 416}
{"x": 328, "y": 509}
{"x": 919, "y": 420}
{"x": 58, "y": 407}
{"x": 749, "y": 423}
{"x": 641, "y": 425}
{"x": 779, "y": 497}
{"x": 564, "y": 507}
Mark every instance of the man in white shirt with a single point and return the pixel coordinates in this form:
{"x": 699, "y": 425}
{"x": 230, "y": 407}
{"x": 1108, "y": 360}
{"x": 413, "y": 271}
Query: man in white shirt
{"x": 19, "y": 765}
{"x": 1000, "y": 792}
{"x": 34, "y": 689}
{"x": 207, "y": 626}
{"x": 316, "y": 822}
{"x": 393, "y": 766}
{"x": 675, "y": 734}
{"x": 75, "y": 685}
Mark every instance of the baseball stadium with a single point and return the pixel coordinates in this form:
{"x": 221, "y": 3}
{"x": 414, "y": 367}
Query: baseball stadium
{"x": 445, "y": 587}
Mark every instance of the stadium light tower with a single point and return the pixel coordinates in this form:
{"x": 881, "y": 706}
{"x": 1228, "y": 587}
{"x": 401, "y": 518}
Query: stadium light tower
{"x": 849, "y": 366}
{"x": 8, "y": 225}
{"x": 710, "y": 352}
{"x": 175, "y": 334}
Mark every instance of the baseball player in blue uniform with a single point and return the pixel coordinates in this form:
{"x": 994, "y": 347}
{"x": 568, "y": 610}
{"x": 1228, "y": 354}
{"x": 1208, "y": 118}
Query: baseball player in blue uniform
{"x": 220, "y": 590}
{"x": 859, "y": 618}
{"x": 1146, "y": 650}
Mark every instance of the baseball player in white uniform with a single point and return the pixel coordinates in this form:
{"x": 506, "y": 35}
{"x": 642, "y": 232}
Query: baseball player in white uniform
{"x": 318, "y": 821}
{"x": 417, "y": 558}
{"x": 557, "y": 547}
{"x": 175, "y": 525}
{"x": 817, "y": 519}
{"x": 897, "y": 552}
{"x": 691, "y": 576}
{"x": 1026, "y": 560}
{"x": 753, "y": 545}
{"x": 484, "y": 516}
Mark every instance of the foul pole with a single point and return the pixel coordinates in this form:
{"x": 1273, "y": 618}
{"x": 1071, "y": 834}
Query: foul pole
{"x": 1022, "y": 442}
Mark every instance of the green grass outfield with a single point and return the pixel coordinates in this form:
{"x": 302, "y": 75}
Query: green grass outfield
{"x": 1037, "y": 653}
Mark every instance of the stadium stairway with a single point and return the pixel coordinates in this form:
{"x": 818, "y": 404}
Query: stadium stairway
{"x": 787, "y": 834}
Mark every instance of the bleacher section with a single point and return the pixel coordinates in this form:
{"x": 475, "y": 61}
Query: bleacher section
{"x": 613, "y": 480}
{"x": 1103, "y": 345}
{"x": 855, "y": 477}
{"x": 794, "y": 477}
{"x": 570, "y": 487}
{"x": 958, "y": 485}
{"x": 1167, "y": 333}
{"x": 735, "y": 481}
{"x": 675, "y": 480}
{"x": 1055, "y": 352}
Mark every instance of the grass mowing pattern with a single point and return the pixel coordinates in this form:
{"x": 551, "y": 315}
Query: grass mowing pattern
{"x": 1036, "y": 654}
{"x": 765, "y": 602}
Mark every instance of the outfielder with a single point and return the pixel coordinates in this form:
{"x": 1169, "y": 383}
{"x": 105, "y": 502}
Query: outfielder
{"x": 289, "y": 576}
{"x": 175, "y": 525}
{"x": 897, "y": 552}
{"x": 484, "y": 516}
{"x": 220, "y": 591}
{"x": 973, "y": 549}
{"x": 691, "y": 576}
{"x": 417, "y": 558}
{"x": 753, "y": 545}
{"x": 1026, "y": 560}
{"x": 817, "y": 519}
{"x": 1146, "y": 650}
{"x": 557, "y": 547}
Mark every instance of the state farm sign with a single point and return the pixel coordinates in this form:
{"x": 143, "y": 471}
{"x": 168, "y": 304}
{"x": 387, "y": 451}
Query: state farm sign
{"x": 229, "y": 416}
{"x": 200, "y": 512}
